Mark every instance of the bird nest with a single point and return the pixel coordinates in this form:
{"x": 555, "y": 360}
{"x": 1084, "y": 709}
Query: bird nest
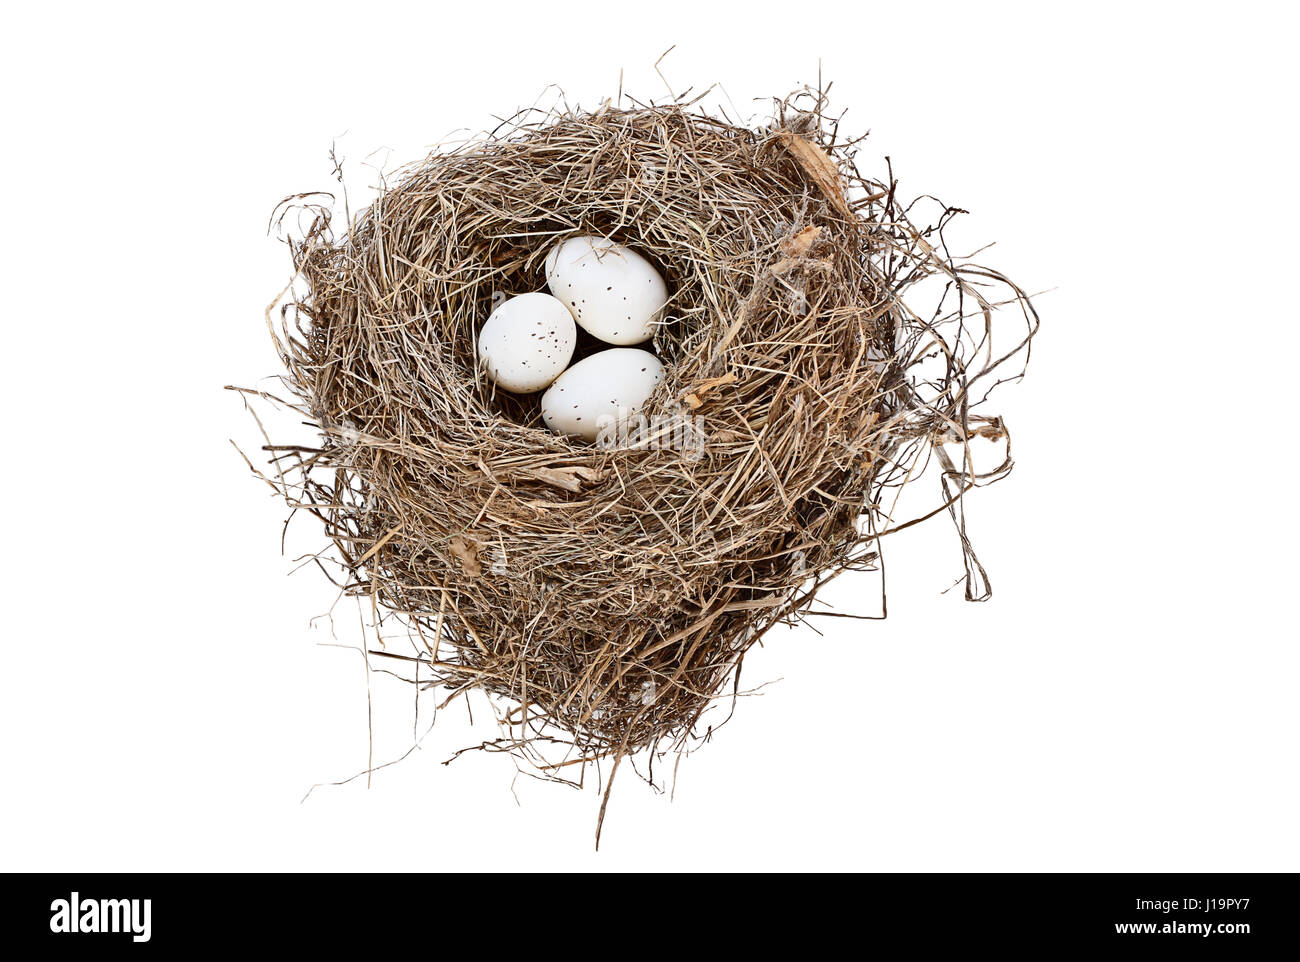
{"x": 608, "y": 592}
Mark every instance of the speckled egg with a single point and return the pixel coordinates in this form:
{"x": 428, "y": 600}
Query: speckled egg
{"x": 616, "y": 382}
{"x": 527, "y": 342}
{"x": 612, "y": 291}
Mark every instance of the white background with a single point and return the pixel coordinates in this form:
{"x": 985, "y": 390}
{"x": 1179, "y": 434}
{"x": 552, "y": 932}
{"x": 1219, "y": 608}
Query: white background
{"x": 1126, "y": 701}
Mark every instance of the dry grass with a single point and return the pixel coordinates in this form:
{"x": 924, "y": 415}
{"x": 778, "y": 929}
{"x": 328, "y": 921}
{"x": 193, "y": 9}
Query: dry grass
{"x": 609, "y": 596}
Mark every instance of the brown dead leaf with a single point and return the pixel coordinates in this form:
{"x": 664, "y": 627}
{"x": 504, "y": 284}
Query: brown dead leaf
{"x": 786, "y": 263}
{"x": 696, "y": 397}
{"x": 819, "y": 167}
{"x": 798, "y": 244}
{"x": 989, "y": 428}
{"x": 568, "y": 478}
{"x": 465, "y": 550}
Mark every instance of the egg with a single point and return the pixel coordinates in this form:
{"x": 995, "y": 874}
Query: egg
{"x": 613, "y": 292}
{"x": 616, "y": 382}
{"x": 527, "y": 342}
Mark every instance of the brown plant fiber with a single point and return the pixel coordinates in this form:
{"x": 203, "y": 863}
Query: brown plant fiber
{"x": 608, "y": 596}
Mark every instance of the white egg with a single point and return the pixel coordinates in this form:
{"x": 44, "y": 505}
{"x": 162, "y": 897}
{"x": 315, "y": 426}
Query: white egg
{"x": 527, "y": 342}
{"x": 616, "y": 382}
{"x": 612, "y": 292}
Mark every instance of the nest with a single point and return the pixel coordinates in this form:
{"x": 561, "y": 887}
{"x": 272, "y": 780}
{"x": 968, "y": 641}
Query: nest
{"x": 608, "y": 593}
